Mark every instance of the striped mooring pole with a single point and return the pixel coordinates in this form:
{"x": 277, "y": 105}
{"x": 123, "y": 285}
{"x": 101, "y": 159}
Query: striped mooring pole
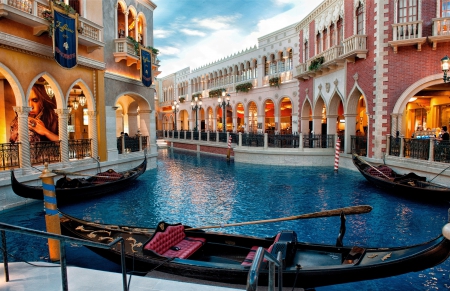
{"x": 51, "y": 212}
{"x": 229, "y": 148}
{"x": 336, "y": 155}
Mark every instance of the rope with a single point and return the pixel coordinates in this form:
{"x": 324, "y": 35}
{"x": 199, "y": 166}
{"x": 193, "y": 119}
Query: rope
{"x": 439, "y": 173}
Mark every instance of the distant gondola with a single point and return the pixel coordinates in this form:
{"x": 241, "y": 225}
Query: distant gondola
{"x": 408, "y": 185}
{"x": 71, "y": 190}
{"x": 220, "y": 257}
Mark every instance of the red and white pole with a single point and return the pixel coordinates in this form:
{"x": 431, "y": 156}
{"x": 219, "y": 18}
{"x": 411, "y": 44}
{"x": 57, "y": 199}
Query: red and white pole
{"x": 229, "y": 148}
{"x": 336, "y": 155}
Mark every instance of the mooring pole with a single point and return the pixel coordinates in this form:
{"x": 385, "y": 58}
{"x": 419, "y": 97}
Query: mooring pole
{"x": 336, "y": 154}
{"x": 51, "y": 212}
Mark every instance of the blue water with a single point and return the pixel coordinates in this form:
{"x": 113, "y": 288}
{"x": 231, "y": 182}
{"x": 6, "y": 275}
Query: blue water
{"x": 200, "y": 190}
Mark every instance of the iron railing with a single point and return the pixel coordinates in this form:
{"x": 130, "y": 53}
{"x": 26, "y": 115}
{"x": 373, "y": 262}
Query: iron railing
{"x": 62, "y": 248}
{"x": 9, "y": 156}
{"x": 79, "y": 148}
{"x": 253, "y": 273}
{"x": 127, "y": 144}
{"x": 45, "y": 152}
{"x": 284, "y": 141}
{"x": 359, "y": 145}
{"x": 318, "y": 141}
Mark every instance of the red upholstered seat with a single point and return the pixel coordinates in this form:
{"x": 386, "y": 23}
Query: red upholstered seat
{"x": 174, "y": 243}
{"x": 248, "y": 261}
{"x": 381, "y": 171}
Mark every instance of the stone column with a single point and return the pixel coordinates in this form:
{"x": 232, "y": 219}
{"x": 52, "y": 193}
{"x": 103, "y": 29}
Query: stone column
{"x": 63, "y": 115}
{"x": 133, "y": 125}
{"x": 350, "y": 129}
{"x": 111, "y": 138}
{"x": 394, "y": 118}
{"x": 24, "y": 148}
{"x": 92, "y": 128}
{"x": 331, "y": 124}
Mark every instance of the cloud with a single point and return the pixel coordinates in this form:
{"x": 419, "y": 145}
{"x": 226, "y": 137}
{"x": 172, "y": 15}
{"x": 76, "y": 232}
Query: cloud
{"x": 168, "y": 51}
{"x": 161, "y": 33}
{"x": 218, "y": 22}
{"x": 192, "y": 32}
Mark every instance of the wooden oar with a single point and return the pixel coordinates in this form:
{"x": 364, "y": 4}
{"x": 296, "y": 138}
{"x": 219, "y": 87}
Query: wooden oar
{"x": 365, "y": 162}
{"x": 326, "y": 213}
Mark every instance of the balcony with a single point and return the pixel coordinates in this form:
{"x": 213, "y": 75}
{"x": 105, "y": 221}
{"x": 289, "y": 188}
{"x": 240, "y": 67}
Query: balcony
{"x": 284, "y": 76}
{"x": 407, "y": 34}
{"x": 441, "y": 31}
{"x": 124, "y": 50}
{"x": 29, "y": 12}
{"x": 332, "y": 60}
{"x": 355, "y": 47}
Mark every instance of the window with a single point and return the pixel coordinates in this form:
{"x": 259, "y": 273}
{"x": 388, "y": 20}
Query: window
{"x": 325, "y": 40}
{"x": 445, "y": 8}
{"x": 289, "y": 61}
{"x": 360, "y": 19}
{"x": 332, "y": 38}
{"x": 75, "y": 4}
{"x": 407, "y": 10}
{"x": 281, "y": 63}
{"x": 340, "y": 31}
{"x": 266, "y": 66}
{"x": 306, "y": 51}
{"x": 318, "y": 44}
{"x": 85, "y": 116}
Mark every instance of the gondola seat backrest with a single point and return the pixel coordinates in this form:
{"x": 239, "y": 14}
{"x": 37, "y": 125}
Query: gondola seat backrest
{"x": 251, "y": 254}
{"x": 171, "y": 241}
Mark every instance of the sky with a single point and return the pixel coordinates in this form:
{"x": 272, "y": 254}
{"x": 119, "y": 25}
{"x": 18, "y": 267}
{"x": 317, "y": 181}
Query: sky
{"x": 193, "y": 33}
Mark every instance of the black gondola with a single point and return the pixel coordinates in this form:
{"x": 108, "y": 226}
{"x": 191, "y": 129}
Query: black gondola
{"x": 71, "y": 190}
{"x": 408, "y": 185}
{"x": 174, "y": 249}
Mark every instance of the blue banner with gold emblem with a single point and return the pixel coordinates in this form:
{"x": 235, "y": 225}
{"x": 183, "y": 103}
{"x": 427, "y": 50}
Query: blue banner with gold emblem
{"x": 146, "y": 67}
{"x": 65, "y": 45}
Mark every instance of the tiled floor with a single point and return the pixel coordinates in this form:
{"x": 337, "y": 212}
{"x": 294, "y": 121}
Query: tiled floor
{"x": 23, "y": 277}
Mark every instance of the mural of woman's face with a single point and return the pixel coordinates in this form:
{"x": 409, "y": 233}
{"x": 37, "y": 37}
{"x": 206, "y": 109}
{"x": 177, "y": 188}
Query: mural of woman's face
{"x": 35, "y": 103}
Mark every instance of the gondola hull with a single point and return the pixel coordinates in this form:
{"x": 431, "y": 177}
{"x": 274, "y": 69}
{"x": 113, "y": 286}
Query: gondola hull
{"x": 221, "y": 257}
{"x": 86, "y": 190}
{"x": 408, "y": 185}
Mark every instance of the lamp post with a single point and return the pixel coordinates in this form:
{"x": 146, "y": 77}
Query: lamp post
{"x": 445, "y": 67}
{"x": 175, "y": 109}
{"x": 196, "y": 105}
{"x": 224, "y": 104}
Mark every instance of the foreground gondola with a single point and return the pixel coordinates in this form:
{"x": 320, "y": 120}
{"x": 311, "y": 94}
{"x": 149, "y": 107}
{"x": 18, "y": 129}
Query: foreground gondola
{"x": 73, "y": 190}
{"x": 408, "y": 185}
{"x": 174, "y": 249}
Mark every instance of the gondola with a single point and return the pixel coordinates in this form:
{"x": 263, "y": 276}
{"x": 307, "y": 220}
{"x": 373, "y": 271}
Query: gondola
{"x": 227, "y": 258}
{"x": 72, "y": 190}
{"x": 408, "y": 185}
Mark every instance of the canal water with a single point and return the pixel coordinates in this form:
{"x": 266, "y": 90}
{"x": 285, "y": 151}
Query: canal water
{"x": 200, "y": 190}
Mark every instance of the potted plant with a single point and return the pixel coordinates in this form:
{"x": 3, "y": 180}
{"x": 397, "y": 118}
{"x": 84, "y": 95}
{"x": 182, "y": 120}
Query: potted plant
{"x": 244, "y": 87}
{"x": 275, "y": 81}
{"x": 215, "y": 93}
{"x": 316, "y": 63}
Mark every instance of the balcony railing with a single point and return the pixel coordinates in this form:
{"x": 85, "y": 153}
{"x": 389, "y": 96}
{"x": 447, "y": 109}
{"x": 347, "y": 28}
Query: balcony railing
{"x": 9, "y": 156}
{"x": 441, "y": 31}
{"x": 332, "y": 59}
{"x": 29, "y": 12}
{"x": 284, "y": 77}
{"x": 124, "y": 50}
{"x": 79, "y": 148}
{"x": 406, "y": 34}
{"x": 355, "y": 46}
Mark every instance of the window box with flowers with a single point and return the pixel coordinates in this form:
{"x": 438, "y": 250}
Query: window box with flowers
{"x": 274, "y": 82}
{"x": 199, "y": 95}
{"x": 245, "y": 87}
{"x": 215, "y": 93}
{"x": 181, "y": 99}
{"x": 47, "y": 14}
{"x": 316, "y": 63}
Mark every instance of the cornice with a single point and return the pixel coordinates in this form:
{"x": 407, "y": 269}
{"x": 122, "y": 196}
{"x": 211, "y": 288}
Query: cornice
{"x": 313, "y": 15}
{"x": 120, "y": 78}
{"x": 25, "y": 46}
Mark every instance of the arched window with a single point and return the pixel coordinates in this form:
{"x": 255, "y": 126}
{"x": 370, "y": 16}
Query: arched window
{"x": 75, "y": 4}
{"x": 255, "y": 71}
{"x": 289, "y": 64}
{"x": 340, "y": 31}
{"x": 318, "y": 43}
{"x": 305, "y": 51}
{"x": 281, "y": 65}
{"x": 266, "y": 66}
{"x": 360, "y": 19}
{"x": 273, "y": 65}
{"x": 332, "y": 36}
{"x": 325, "y": 39}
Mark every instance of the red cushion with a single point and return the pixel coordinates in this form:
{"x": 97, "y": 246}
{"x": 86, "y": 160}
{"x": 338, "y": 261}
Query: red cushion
{"x": 248, "y": 261}
{"x": 162, "y": 241}
{"x": 187, "y": 247}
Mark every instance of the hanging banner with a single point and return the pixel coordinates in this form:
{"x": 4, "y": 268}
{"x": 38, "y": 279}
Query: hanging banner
{"x": 146, "y": 66}
{"x": 65, "y": 39}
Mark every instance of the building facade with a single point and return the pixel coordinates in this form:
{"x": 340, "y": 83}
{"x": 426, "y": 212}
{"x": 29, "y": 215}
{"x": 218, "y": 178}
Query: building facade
{"x": 364, "y": 69}
{"x": 94, "y": 102}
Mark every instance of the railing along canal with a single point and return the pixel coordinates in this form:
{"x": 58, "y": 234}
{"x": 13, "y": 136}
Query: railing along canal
{"x": 253, "y": 273}
{"x": 62, "y": 239}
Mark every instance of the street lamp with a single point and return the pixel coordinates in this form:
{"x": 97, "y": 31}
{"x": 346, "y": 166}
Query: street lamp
{"x": 223, "y": 104}
{"x": 196, "y": 104}
{"x": 445, "y": 67}
{"x": 175, "y": 109}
